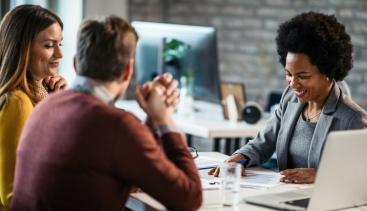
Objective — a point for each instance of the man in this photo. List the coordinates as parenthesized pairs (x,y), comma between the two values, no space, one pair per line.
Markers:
(78,152)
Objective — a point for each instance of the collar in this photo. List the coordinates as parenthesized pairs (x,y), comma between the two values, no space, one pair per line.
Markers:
(87,85)
(332,100)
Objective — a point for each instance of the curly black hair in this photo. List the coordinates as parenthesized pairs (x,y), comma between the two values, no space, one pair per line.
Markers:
(322,38)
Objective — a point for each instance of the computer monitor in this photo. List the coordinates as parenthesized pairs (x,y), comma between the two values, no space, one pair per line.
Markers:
(202,56)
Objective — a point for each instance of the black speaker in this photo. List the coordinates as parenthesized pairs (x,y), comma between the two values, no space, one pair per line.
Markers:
(251,112)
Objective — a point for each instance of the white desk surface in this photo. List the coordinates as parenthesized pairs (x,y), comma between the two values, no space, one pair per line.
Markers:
(212,198)
(206,121)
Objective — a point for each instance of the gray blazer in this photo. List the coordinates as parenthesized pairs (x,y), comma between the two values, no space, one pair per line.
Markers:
(339,113)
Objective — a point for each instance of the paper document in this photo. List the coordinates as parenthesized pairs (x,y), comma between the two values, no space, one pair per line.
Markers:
(204,162)
(211,184)
(260,179)
(256,179)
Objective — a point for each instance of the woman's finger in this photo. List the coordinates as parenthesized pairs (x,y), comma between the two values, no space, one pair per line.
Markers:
(59,84)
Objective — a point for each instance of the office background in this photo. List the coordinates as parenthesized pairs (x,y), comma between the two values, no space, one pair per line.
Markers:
(246,33)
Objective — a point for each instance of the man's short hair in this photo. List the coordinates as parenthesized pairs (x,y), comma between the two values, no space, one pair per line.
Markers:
(105,47)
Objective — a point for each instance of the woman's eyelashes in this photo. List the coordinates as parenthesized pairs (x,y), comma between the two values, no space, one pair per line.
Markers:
(299,77)
(52,45)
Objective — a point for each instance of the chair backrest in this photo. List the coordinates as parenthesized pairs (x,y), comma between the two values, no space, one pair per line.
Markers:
(345,88)
(273,98)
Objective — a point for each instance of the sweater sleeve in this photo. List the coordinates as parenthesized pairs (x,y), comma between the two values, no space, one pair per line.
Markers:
(13,116)
(167,172)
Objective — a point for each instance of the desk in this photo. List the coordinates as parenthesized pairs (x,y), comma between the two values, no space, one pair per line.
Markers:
(206,121)
(212,198)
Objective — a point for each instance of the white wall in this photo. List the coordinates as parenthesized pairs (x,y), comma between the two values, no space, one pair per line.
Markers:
(71,17)
(94,8)
(14,3)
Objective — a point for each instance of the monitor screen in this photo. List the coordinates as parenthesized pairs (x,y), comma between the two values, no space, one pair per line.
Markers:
(201,57)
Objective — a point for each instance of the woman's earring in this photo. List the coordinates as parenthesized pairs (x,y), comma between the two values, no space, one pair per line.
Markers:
(327,78)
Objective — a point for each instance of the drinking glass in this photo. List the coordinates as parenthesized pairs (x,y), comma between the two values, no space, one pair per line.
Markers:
(231,178)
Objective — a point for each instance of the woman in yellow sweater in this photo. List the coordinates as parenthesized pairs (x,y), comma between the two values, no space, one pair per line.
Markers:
(30,52)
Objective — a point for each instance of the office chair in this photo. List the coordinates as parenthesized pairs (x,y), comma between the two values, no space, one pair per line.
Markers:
(345,88)
(273,99)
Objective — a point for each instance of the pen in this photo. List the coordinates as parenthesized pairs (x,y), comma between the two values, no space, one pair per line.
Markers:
(243,162)
(213,182)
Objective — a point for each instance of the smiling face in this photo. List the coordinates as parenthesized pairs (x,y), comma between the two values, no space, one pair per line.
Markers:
(46,52)
(305,79)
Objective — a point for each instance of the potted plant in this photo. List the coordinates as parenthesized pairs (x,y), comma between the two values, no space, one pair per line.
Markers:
(174,53)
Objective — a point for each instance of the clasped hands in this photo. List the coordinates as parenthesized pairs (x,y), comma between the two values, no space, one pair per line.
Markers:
(159,98)
(296,175)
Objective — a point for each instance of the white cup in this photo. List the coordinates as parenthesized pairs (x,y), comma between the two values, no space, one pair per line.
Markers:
(231,178)
(185,107)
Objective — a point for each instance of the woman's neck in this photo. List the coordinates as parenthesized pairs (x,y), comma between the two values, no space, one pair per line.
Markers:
(37,82)
(317,105)
(38,89)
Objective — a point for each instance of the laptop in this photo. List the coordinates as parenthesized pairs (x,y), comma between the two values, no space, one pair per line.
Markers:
(341,180)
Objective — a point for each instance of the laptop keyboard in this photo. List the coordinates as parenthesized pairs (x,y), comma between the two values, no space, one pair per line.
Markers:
(299,202)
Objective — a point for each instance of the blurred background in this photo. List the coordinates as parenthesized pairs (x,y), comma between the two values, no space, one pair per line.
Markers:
(245,32)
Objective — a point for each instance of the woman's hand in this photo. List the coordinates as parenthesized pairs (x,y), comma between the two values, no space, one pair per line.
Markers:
(55,83)
(299,175)
(233,158)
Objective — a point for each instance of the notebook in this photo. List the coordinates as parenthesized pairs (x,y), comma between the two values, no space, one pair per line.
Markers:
(341,181)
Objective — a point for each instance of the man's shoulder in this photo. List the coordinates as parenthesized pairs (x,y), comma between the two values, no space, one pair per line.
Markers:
(71,98)
(91,104)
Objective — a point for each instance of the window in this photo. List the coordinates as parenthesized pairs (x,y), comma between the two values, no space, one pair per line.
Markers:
(14,3)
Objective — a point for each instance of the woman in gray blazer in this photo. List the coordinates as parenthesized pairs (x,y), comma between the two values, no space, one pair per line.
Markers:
(316,52)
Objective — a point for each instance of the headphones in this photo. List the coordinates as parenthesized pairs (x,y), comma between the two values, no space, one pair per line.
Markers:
(251,112)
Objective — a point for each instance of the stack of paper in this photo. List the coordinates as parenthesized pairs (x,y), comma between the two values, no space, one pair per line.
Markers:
(204,162)
(256,179)
(260,179)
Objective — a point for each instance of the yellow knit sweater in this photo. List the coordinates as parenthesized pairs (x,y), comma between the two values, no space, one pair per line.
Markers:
(13,116)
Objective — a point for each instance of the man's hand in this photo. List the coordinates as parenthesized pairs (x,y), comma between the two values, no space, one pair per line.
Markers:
(299,175)
(171,91)
(164,88)
(153,102)
(233,158)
